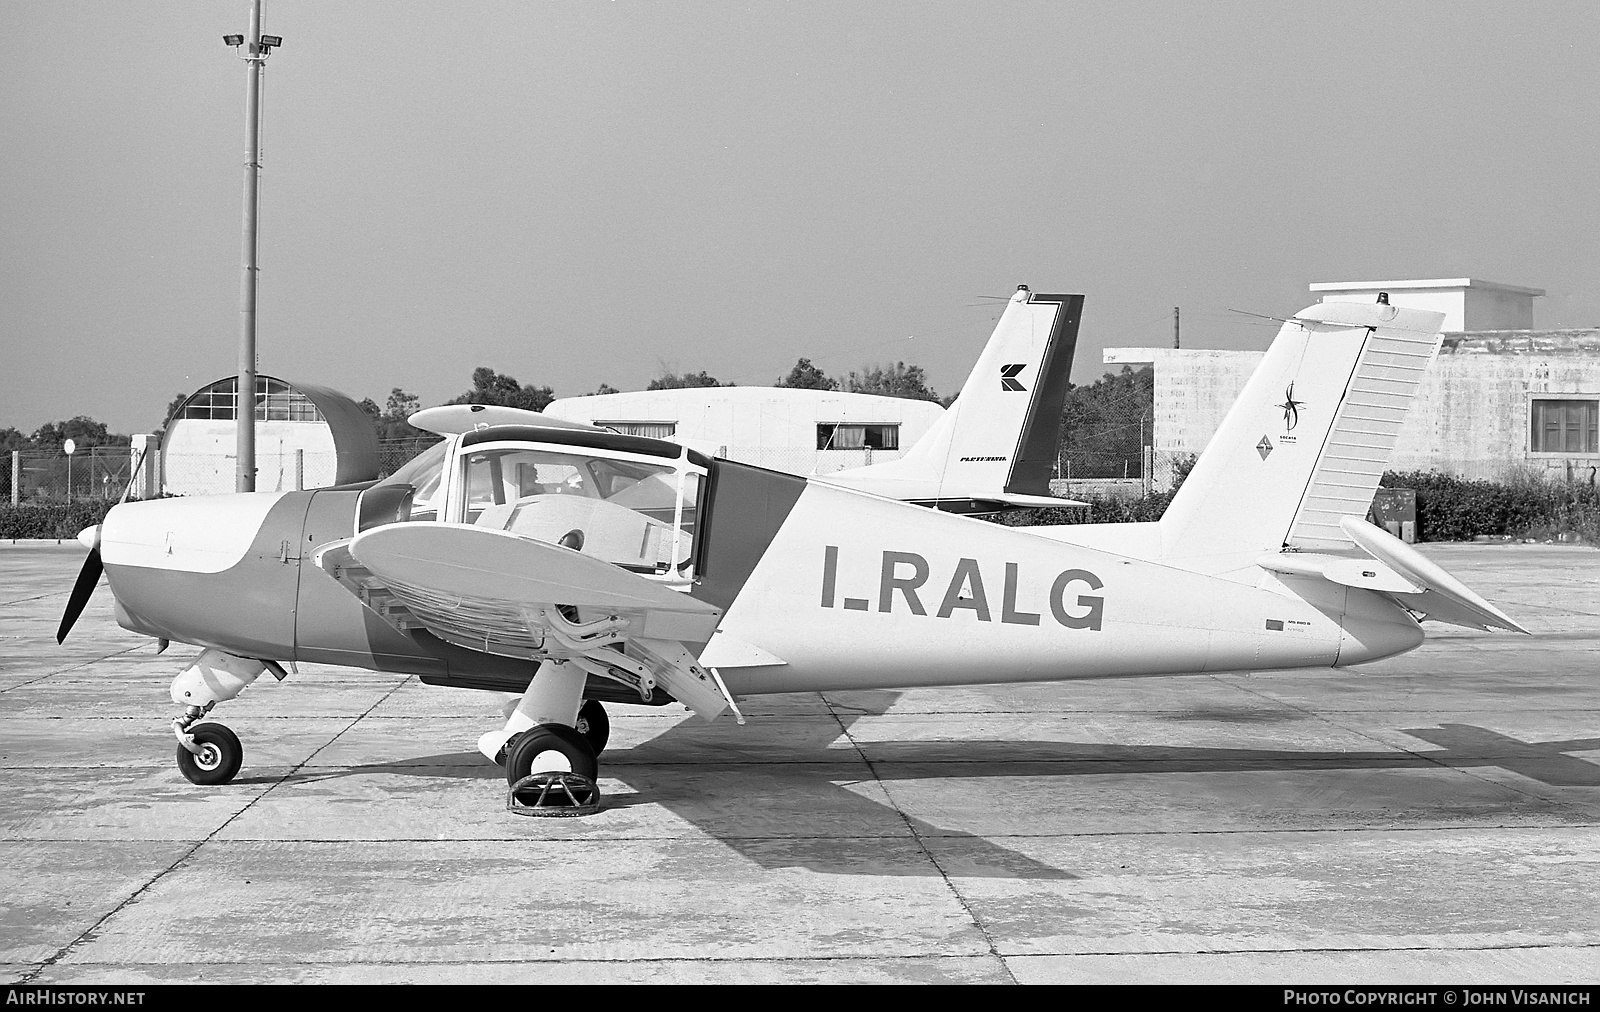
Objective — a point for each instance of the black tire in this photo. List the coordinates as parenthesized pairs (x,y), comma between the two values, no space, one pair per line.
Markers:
(219,760)
(551,738)
(594,725)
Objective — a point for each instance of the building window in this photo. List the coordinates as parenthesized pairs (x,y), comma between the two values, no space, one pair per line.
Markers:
(856,437)
(1564,426)
(655,430)
(276,401)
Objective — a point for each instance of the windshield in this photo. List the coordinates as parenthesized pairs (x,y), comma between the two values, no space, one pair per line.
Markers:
(625,512)
(422,473)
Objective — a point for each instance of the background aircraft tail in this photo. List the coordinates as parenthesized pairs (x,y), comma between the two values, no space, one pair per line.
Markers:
(1307,440)
(995,447)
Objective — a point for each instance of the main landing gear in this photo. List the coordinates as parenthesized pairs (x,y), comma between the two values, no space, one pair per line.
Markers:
(550,745)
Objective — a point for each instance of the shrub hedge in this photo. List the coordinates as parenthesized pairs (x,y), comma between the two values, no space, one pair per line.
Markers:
(51,520)
(1449,508)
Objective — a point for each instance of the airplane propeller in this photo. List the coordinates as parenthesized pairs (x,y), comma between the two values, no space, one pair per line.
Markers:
(89,575)
(88,578)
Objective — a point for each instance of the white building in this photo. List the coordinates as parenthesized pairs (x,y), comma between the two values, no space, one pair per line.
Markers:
(1467,303)
(306,437)
(1500,399)
(786,429)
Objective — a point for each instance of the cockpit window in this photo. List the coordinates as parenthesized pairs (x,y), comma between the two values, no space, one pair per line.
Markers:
(422,473)
(625,512)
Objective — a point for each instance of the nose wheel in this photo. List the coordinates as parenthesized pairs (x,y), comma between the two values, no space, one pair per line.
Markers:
(216,757)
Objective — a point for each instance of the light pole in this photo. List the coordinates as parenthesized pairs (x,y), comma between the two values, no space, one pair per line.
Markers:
(257,48)
(68,447)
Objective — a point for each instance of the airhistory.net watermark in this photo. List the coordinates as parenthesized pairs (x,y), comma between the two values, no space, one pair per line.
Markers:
(70,996)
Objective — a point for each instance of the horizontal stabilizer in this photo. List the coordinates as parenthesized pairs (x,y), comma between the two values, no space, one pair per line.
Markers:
(1443,597)
(1368,574)
(1399,572)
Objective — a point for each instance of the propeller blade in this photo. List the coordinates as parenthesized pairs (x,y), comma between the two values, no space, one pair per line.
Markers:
(88,578)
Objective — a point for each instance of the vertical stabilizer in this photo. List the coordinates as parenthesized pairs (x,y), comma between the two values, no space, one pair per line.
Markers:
(996,445)
(1307,439)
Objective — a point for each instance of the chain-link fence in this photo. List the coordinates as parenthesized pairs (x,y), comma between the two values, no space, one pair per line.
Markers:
(94,472)
(394,453)
(1120,473)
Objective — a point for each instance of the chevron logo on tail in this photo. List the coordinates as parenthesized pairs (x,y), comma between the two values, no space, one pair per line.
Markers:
(1008,375)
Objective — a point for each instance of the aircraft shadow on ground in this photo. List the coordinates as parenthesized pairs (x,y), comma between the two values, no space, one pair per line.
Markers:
(669,770)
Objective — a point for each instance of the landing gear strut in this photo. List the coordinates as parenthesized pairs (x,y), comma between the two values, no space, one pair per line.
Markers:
(594,725)
(549,744)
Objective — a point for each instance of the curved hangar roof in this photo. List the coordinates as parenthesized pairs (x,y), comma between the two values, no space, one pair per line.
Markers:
(354,438)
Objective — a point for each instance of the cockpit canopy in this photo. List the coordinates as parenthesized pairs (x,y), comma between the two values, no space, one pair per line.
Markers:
(627,500)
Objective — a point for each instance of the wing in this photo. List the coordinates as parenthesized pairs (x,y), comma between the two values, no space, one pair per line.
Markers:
(512,596)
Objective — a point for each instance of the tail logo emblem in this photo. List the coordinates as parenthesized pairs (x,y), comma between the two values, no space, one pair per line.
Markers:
(1291,408)
(1264,447)
(1008,374)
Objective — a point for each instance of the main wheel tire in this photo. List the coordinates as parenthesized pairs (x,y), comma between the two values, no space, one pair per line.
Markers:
(553,771)
(594,725)
(220,755)
(571,746)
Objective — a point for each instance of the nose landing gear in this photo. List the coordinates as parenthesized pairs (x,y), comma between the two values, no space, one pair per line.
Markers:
(207,753)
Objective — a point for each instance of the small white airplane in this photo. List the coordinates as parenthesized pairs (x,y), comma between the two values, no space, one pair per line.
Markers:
(575,566)
(995,447)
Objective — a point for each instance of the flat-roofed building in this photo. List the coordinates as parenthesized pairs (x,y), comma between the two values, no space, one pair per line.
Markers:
(1502,398)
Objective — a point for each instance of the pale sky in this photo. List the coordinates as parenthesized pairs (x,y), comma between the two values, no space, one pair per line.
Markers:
(586,192)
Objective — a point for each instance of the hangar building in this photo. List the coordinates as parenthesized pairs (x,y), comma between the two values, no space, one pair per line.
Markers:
(1501,398)
(782,428)
(306,437)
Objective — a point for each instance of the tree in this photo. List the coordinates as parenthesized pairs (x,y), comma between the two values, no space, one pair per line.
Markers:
(607,388)
(172,409)
(490,387)
(1105,425)
(402,405)
(674,381)
(897,380)
(391,422)
(81,429)
(11,439)
(805,376)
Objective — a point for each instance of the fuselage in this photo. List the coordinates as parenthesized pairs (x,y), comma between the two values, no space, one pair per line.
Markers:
(834,588)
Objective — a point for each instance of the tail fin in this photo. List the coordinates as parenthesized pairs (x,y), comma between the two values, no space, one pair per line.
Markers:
(996,445)
(1306,441)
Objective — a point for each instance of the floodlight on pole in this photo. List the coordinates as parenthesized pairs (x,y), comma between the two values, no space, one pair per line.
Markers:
(257,48)
(67,448)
